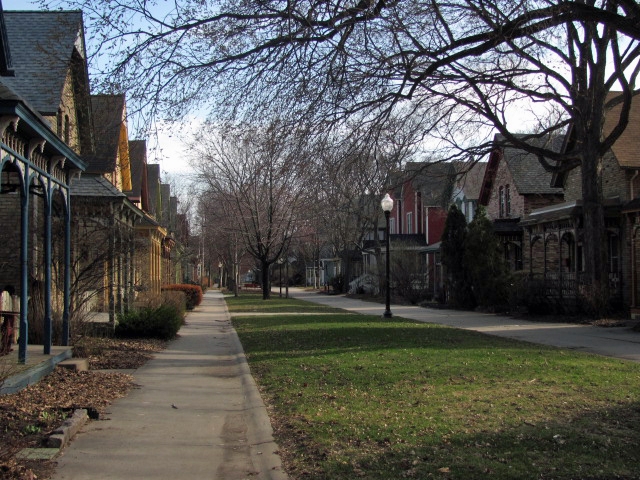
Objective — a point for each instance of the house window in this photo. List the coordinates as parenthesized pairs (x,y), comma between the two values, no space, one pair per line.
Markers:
(67,130)
(59,123)
(501,201)
(614,257)
(507,201)
(410,222)
(392,225)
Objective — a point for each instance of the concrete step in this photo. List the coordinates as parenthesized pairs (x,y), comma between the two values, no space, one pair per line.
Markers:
(75,364)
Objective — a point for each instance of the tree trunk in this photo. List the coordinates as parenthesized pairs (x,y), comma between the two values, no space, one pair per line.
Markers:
(266,281)
(596,288)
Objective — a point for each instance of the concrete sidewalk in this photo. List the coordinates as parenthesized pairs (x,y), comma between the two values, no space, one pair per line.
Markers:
(197,414)
(618,342)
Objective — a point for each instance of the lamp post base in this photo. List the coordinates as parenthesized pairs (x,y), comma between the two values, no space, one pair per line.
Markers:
(387,314)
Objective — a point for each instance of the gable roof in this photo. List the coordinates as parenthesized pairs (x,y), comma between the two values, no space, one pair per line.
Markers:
(529,176)
(626,149)
(138,159)
(153,185)
(108,114)
(469,178)
(434,181)
(42,45)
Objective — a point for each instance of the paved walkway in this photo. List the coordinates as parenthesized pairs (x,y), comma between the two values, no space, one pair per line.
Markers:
(618,342)
(197,414)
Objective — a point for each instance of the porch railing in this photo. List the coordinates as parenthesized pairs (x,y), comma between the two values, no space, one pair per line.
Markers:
(568,284)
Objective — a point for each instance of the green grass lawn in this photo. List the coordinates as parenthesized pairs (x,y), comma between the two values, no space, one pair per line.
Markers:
(356,396)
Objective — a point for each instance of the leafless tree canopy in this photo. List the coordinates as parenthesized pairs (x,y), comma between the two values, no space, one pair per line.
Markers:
(447,68)
(334,60)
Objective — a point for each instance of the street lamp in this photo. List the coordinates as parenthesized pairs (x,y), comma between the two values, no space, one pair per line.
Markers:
(387,206)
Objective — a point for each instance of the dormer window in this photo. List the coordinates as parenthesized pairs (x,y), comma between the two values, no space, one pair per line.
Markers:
(501,200)
(507,200)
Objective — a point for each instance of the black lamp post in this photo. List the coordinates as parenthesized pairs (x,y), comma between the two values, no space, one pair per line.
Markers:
(387,206)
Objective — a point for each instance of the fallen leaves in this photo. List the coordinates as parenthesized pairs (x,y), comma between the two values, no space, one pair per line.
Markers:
(28,416)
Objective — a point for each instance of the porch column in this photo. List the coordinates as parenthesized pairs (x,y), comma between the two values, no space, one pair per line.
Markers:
(67,273)
(633,267)
(544,252)
(24,269)
(132,267)
(47,272)
(119,265)
(529,229)
(111,261)
(560,262)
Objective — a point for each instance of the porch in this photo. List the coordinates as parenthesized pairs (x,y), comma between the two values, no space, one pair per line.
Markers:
(38,365)
(563,289)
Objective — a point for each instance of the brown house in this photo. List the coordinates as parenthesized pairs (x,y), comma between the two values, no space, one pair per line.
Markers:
(538,217)
(514,185)
(41,105)
(555,234)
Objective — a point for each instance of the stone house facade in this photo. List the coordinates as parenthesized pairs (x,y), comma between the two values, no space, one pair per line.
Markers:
(37,167)
(514,185)
(556,233)
(50,75)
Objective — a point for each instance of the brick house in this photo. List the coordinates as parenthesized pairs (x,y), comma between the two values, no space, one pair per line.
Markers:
(422,195)
(514,185)
(41,148)
(104,217)
(52,74)
(555,233)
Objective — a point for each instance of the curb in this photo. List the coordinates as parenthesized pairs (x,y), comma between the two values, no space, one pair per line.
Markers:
(58,439)
(68,429)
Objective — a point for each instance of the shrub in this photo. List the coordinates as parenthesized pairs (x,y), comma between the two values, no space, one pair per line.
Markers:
(177,299)
(193,293)
(337,283)
(161,322)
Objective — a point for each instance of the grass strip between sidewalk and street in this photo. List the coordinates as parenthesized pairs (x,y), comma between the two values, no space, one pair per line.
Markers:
(358,396)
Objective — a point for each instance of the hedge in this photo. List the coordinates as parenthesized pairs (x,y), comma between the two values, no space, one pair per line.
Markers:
(193,293)
(162,322)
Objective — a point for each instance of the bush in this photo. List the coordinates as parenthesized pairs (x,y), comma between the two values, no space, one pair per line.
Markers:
(161,322)
(193,293)
(337,283)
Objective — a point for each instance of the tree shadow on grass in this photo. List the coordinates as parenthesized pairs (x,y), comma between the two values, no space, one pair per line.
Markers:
(602,444)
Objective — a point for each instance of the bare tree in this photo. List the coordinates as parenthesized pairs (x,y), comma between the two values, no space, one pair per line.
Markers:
(257,175)
(454,67)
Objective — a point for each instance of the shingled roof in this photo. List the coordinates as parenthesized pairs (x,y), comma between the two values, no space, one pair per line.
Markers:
(108,114)
(138,159)
(42,46)
(92,185)
(433,180)
(469,178)
(528,174)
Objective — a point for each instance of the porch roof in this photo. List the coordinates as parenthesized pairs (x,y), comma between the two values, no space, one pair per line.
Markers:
(507,225)
(434,247)
(91,185)
(632,206)
(553,212)
(566,210)
(12,104)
